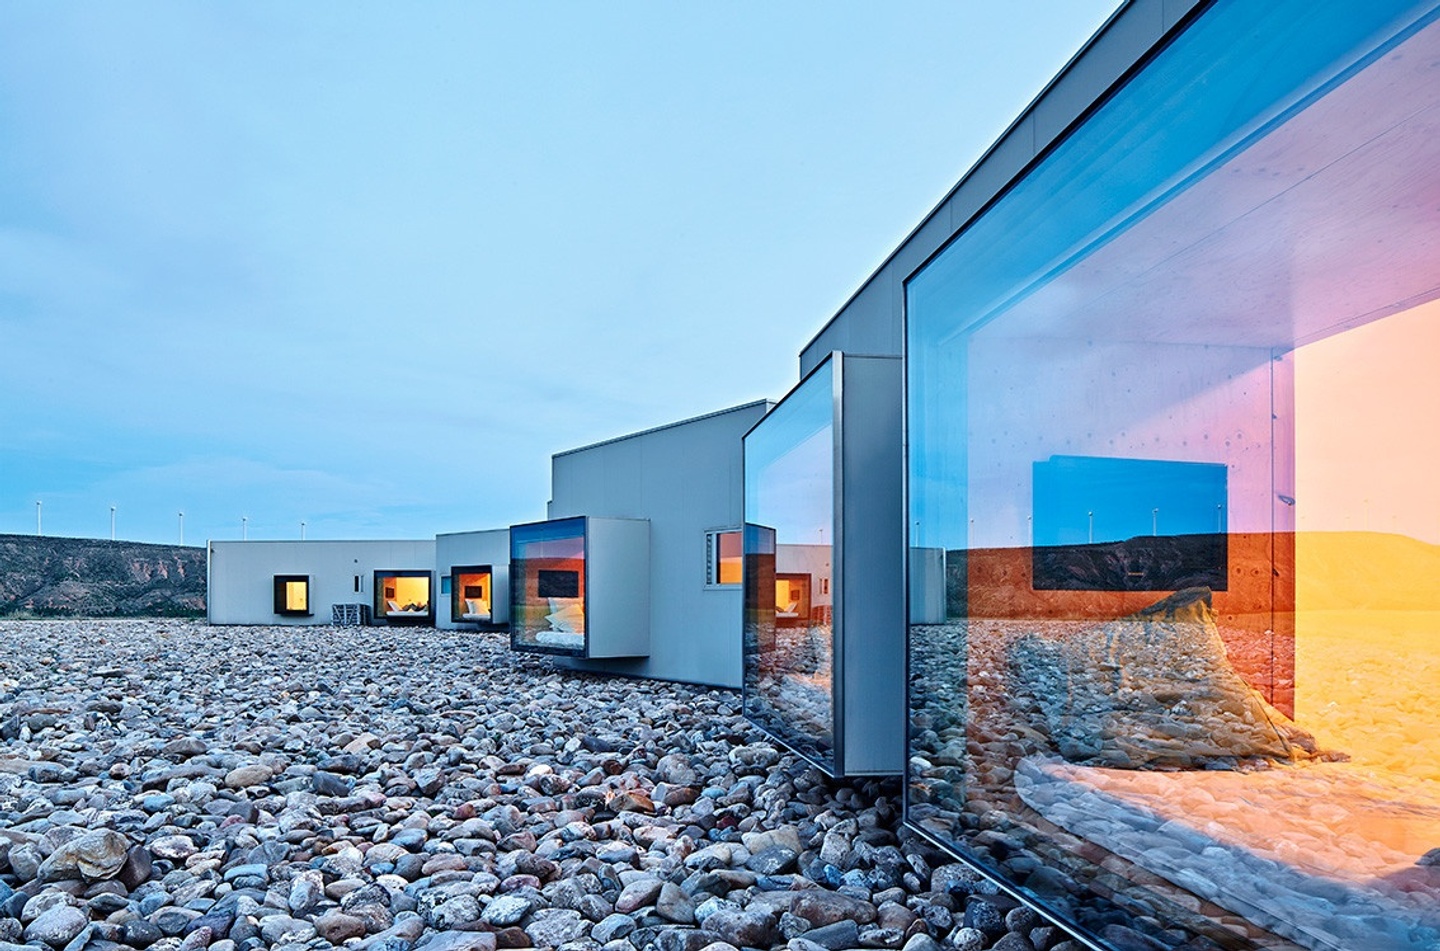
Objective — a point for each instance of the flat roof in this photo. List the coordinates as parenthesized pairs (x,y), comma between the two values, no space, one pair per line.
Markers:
(655,429)
(1172,12)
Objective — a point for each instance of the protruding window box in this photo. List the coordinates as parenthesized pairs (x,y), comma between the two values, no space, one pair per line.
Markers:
(403,597)
(472,594)
(292,595)
(824,617)
(580,587)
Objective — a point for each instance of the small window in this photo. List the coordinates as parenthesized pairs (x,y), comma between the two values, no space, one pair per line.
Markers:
(470,594)
(444,584)
(723,558)
(292,595)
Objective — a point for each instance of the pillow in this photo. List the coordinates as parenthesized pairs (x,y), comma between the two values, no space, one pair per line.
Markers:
(392,606)
(567,615)
(1154,690)
(473,606)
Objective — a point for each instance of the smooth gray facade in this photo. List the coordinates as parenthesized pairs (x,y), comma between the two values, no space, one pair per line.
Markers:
(685,479)
(870,568)
(491,548)
(873,319)
(240,580)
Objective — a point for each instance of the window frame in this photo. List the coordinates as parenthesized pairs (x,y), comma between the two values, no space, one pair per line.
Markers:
(712,559)
(280,583)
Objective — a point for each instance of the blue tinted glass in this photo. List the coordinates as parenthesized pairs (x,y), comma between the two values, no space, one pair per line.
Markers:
(547,587)
(789,539)
(1172,418)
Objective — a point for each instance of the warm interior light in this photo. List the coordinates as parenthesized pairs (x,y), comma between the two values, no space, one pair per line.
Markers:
(297,596)
(406,593)
(730,557)
(473,590)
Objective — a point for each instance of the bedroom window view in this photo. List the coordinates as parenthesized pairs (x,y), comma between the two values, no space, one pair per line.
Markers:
(789,625)
(402,596)
(547,587)
(470,593)
(292,595)
(1186,674)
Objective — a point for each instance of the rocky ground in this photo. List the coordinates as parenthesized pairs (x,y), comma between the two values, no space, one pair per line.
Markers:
(174,786)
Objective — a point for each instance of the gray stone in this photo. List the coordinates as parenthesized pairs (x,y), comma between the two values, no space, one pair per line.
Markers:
(674,905)
(983,916)
(459,941)
(922,942)
(57,926)
(552,927)
(613,927)
(835,936)
(282,929)
(675,768)
(821,907)
(638,894)
(460,910)
(775,860)
(93,856)
(751,929)
(506,910)
(968,939)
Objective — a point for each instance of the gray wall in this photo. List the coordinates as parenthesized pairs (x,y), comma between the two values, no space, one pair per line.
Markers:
(870,570)
(240,583)
(872,321)
(474,548)
(685,479)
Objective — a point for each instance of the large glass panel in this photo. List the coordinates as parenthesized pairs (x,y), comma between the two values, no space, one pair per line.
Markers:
(1174,424)
(547,587)
(470,593)
(789,539)
(402,595)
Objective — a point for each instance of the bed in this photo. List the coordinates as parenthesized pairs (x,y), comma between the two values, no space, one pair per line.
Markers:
(393,609)
(476,610)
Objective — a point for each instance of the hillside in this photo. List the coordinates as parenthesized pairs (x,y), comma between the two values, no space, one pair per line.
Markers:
(85,577)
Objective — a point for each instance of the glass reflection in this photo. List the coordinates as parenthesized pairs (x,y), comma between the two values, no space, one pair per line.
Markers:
(1177,444)
(547,587)
(788,538)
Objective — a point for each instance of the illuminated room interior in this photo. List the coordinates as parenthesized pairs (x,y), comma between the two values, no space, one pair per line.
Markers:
(402,595)
(547,580)
(470,593)
(292,594)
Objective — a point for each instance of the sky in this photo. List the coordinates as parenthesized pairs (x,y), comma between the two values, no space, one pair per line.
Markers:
(367,266)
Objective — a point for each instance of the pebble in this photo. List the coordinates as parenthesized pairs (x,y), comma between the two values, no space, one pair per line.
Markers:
(420,790)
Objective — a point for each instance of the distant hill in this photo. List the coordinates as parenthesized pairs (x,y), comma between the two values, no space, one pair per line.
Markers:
(86,577)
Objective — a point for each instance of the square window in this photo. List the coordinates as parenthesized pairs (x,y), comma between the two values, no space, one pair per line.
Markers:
(723,558)
(292,595)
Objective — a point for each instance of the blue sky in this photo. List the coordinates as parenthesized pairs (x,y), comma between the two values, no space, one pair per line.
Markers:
(368,265)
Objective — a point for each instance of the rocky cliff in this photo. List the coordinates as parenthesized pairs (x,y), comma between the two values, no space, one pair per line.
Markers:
(85,577)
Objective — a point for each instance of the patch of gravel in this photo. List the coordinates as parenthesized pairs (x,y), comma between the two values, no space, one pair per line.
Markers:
(175,786)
